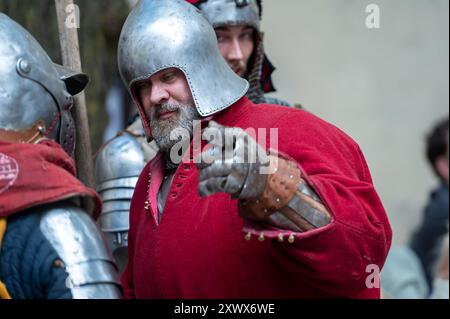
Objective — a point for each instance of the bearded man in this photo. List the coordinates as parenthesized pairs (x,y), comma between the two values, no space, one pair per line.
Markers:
(120,161)
(239,216)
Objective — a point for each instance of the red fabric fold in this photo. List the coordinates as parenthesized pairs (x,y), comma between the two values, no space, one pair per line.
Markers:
(32,175)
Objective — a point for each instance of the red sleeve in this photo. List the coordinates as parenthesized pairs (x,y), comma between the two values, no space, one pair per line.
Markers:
(128,274)
(334,258)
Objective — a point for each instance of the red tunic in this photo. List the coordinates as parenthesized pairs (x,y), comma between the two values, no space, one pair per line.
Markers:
(199,250)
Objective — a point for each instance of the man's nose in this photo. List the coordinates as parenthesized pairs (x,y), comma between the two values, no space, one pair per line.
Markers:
(159,95)
(235,51)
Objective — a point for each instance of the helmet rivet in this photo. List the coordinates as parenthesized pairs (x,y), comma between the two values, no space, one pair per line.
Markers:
(42,129)
(242,3)
(25,66)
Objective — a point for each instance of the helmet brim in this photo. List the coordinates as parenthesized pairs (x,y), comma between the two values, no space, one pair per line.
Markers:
(75,81)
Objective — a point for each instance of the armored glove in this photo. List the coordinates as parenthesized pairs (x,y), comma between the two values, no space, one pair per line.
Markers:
(269,188)
(234,163)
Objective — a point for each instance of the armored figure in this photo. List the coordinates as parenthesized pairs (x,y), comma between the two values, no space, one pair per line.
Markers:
(49,246)
(252,65)
(238,213)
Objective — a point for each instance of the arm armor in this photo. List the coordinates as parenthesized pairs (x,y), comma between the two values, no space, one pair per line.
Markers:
(90,268)
(118,166)
(288,201)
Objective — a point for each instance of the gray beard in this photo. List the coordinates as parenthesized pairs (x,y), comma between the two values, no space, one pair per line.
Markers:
(161,130)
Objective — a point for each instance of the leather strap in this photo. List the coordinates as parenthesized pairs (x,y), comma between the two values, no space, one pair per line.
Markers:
(31,135)
(287,193)
(280,188)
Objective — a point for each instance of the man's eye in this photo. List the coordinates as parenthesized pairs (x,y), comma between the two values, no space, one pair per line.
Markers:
(247,36)
(168,77)
(221,38)
(143,86)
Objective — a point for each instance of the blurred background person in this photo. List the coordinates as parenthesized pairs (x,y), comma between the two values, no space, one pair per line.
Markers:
(441,281)
(427,241)
(420,270)
(403,276)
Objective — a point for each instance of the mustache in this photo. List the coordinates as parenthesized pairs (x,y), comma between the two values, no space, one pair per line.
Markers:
(238,65)
(164,108)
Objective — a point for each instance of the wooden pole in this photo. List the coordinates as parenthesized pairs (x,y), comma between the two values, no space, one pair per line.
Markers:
(70,52)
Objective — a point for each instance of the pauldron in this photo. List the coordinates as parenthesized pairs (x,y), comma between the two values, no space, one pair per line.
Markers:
(118,167)
(90,268)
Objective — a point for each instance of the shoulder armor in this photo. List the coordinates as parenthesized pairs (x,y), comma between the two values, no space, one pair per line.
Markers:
(118,167)
(89,265)
(121,158)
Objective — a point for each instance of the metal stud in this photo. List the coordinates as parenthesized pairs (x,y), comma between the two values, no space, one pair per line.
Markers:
(24,66)
(280,238)
(291,239)
(242,3)
(248,237)
(42,129)
(261,237)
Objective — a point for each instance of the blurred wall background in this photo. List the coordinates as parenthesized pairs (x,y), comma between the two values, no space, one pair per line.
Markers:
(385,87)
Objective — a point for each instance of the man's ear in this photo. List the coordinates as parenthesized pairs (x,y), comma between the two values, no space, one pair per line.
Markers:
(442,167)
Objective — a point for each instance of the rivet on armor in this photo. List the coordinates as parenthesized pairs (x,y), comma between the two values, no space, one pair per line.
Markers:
(24,66)
(42,129)
(242,3)
(248,236)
